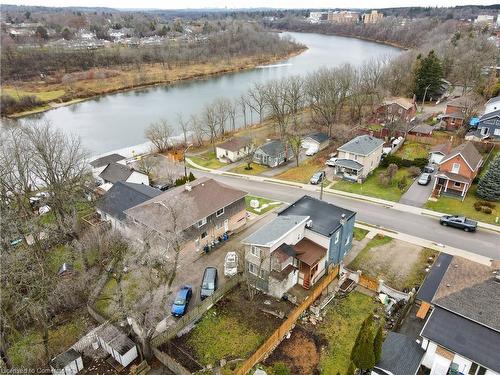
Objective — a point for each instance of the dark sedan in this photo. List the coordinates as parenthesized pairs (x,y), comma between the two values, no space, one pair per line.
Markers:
(460,222)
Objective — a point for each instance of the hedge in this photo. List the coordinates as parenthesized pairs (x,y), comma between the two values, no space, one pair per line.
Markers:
(406,163)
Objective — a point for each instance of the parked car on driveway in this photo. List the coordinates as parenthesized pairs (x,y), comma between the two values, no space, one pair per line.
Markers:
(312,150)
(331,162)
(209,282)
(424,179)
(429,169)
(231,264)
(460,222)
(179,307)
(317,177)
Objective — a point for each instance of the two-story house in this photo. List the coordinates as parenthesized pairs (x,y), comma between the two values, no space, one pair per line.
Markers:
(397,109)
(234,149)
(115,172)
(99,164)
(456,111)
(216,209)
(358,157)
(298,245)
(462,332)
(457,170)
(492,105)
(272,153)
(488,127)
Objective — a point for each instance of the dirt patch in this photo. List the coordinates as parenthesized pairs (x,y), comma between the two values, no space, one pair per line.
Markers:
(300,353)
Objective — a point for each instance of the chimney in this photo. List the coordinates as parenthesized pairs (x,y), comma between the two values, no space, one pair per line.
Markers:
(343,220)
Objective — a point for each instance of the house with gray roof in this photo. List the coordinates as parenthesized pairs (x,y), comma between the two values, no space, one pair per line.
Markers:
(358,158)
(298,245)
(492,105)
(401,355)
(272,153)
(234,149)
(119,198)
(461,334)
(488,127)
(115,172)
(99,164)
(316,139)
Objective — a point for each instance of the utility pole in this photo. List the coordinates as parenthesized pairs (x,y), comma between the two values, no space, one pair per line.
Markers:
(184,157)
(425,93)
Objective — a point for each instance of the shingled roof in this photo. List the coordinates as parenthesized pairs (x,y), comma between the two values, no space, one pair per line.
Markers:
(235,143)
(105,160)
(115,172)
(363,145)
(468,153)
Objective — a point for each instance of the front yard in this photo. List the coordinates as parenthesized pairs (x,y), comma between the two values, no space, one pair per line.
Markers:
(400,264)
(303,172)
(255,169)
(373,188)
(207,160)
(340,327)
(265,205)
(454,206)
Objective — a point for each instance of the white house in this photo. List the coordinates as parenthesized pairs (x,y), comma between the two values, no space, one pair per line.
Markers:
(67,363)
(234,149)
(117,344)
(492,105)
(317,140)
(115,172)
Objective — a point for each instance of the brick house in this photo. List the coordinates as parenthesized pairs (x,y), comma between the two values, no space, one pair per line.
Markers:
(454,114)
(396,108)
(457,170)
(216,208)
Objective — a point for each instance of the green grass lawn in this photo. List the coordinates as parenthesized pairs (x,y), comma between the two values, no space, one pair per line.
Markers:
(105,299)
(207,160)
(413,150)
(359,233)
(221,335)
(340,327)
(373,188)
(454,206)
(303,172)
(262,201)
(375,127)
(62,254)
(256,169)
(45,96)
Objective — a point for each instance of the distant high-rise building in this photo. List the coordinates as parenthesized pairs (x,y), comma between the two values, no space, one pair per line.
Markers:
(372,17)
(343,16)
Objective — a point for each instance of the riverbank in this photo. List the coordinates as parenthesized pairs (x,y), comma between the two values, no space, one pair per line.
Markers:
(131,79)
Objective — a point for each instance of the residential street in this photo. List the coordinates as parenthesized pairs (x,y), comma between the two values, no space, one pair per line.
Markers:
(483,242)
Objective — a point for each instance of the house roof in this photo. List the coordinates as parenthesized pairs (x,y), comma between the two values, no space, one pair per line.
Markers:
(402,102)
(455,114)
(496,99)
(454,177)
(461,101)
(443,148)
(490,115)
(363,145)
(235,143)
(105,160)
(473,341)
(115,172)
(348,163)
(309,252)
(272,148)
(318,137)
(401,355)
(434,277)
(325,216)
(468,152)
(63,359)
(270,233)
(207,196)
(422,128)
(124,195)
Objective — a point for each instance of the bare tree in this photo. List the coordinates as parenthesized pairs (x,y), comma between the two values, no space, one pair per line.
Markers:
(243,105)
(211,123)
(295,144)
(294,98)
(198,129)
(159,134)
(256,99)
(184,126)
(275,97)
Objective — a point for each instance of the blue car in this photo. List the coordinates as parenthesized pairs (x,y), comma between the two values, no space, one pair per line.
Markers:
(181,302)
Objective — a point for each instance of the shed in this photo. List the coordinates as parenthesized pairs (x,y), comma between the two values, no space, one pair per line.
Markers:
(318,139)
(422,130)
(117,344)
(67,363)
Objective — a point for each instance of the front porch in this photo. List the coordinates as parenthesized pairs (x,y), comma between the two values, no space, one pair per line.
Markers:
(447,184)
(349,169)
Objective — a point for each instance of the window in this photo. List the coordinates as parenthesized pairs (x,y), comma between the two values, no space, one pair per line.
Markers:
(202,222)
(337,236)
(255,251)
(252,268)
(219,212)
(475,369)
(496,131)
(204,234)
(348,239)
(455,168)
(456,184)
(485,131)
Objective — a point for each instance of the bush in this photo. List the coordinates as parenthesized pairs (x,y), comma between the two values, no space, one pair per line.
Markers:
(414,171)
(406,163)
(487,210)
(478,206)
(403,183)
(279,368)
(383,179)
(10,105)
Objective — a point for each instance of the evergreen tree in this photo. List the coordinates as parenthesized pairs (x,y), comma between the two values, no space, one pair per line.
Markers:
(351,369)
(362,354)
(489,184)
(428,73)
(377,344)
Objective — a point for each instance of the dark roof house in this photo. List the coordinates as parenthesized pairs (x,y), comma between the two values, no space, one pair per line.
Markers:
(125,195)
(105,160)
(401,355)
(235,143)
(115,172)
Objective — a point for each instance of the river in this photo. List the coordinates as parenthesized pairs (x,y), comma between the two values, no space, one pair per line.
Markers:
(118,121)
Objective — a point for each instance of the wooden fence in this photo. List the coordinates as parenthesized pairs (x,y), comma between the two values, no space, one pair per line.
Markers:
(195,314)
(368,282)
(274,340)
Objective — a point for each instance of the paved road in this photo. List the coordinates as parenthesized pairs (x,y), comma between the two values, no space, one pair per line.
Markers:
(483,242)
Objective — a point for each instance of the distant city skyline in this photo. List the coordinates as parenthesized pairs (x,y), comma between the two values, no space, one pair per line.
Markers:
(201,4)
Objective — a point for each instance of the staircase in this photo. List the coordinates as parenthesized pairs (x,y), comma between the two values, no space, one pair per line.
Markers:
(140,369)
(306,284)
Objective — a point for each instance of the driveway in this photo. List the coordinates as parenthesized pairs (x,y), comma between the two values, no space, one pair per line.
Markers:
(417,195)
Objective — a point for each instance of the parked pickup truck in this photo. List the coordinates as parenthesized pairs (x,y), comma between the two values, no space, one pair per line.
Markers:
(460,222)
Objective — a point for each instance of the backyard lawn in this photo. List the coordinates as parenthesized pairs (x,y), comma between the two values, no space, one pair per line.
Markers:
(340,327)
(373,188)
(256,169)
(454,206)
(303,172)
(265,205)
(207,160)
(400,264)
(413,150)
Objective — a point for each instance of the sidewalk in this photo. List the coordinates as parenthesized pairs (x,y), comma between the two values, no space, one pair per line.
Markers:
(382,202)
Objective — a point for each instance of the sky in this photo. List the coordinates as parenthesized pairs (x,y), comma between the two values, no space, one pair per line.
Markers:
(183,4)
